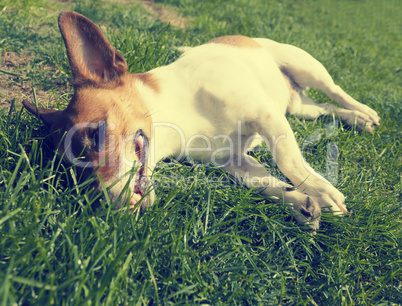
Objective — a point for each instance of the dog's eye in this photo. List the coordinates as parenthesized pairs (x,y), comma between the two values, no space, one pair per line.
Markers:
(97,137)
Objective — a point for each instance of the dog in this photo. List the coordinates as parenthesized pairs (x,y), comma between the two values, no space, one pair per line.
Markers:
(210,104)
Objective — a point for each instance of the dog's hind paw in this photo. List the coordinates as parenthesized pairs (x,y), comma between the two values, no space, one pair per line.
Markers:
(364,118)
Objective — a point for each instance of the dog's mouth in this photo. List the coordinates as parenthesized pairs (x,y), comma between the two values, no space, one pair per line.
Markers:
(141,184)
(141,180)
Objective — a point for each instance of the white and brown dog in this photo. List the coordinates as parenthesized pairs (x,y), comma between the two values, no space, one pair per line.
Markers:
(209,104)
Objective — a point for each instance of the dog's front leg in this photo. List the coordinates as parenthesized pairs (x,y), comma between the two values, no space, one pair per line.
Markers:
(277,133)
(247,170)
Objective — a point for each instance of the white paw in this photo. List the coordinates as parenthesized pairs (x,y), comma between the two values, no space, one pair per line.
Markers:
(363,117)
(327,196)
(370,112)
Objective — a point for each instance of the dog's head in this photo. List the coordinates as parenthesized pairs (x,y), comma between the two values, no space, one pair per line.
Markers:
(105,130)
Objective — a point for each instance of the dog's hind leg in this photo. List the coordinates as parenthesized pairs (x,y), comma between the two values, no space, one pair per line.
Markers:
(304,106)
(304,71)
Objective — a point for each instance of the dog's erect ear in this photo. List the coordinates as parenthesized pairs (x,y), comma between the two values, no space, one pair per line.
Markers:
(48,116)
(92,58)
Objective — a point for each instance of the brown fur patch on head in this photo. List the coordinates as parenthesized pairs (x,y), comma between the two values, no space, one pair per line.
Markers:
(149,80)
(122,112)
(236,41)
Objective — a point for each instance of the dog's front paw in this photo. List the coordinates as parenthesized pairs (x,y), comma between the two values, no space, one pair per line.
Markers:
(328,197)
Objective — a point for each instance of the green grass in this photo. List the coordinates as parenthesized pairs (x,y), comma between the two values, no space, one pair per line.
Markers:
(206,240)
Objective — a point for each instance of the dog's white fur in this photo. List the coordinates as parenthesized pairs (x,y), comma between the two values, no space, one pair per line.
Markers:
(212,101)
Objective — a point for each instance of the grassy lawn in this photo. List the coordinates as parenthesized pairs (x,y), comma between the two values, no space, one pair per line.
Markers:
(206,240)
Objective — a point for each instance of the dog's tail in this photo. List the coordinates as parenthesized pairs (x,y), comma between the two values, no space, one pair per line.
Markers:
(183,49)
